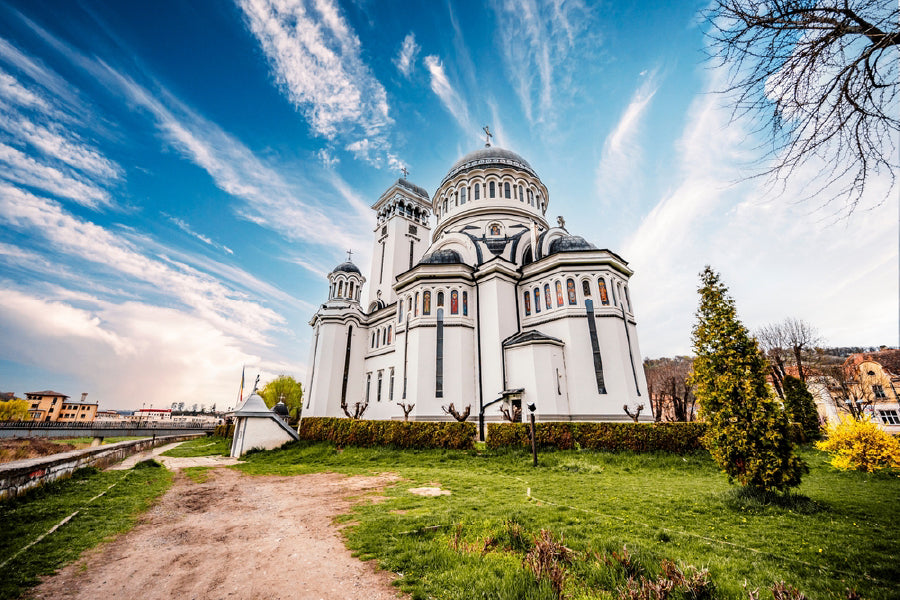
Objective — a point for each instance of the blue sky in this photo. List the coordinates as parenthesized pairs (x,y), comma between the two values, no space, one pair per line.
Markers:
(176,178)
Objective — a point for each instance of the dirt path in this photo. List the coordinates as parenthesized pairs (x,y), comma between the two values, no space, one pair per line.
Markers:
(234,536)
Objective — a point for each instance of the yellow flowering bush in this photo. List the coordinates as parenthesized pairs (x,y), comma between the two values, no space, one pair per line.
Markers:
(860,445)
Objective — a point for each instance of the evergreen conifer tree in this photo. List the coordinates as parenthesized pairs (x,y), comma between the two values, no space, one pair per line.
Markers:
(800,407)
(747,430)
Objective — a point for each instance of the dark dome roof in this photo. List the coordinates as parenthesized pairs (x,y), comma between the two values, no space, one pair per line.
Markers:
(491,156)
(347,267)
(442,257)
(280,409)
(412,187)
(570,243)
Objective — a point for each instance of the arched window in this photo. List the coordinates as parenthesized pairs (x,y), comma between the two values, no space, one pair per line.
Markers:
(537,300)
(440,299)
(462,195)
(426,303)
(350,294)
(400,311)
(628,299)
(341,289)
(559,295)
(390,332)
(521,194)
(374,333)
(445,206)
(604,296)
(439,356)
(548,299)
(493,189)
(506,192)
(465,304)
(586,287)
(416,305)
(454,302)
(527,304)
(478,191)
(530,197)
(378,392)
(391,385)
(570,289)
(409,305)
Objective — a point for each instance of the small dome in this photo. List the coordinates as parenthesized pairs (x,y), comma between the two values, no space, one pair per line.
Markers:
(280,409)
(442,257)
(491,156)
(347,267)
(570,243)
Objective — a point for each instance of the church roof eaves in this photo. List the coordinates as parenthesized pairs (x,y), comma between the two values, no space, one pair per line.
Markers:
(531,337)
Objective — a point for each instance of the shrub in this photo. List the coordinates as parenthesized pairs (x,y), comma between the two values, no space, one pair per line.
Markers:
(223,430)
(747,430)
(637,437)
(801,408)
(352,432)
(860,445)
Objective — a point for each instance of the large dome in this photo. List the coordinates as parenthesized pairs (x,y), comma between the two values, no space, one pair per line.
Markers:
(347,267)
(491,156)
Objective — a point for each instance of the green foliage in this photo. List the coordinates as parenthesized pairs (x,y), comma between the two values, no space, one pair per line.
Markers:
(225,430)
(471,544)
(201,446)
(636,437)
(14,410)
(28,516)
(800,407)
(747,430)
(284,388)
(399,434)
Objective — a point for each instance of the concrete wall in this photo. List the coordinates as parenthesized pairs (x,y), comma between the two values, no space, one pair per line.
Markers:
(20,476)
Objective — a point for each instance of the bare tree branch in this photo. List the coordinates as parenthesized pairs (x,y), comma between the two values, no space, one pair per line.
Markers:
(821,77)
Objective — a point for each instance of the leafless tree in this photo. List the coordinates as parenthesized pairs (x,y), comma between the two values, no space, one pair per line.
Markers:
(822,77)
(459,416)
(786,343)
(406,408)
(668,384)
(636,414)
(849,389)
(359,408)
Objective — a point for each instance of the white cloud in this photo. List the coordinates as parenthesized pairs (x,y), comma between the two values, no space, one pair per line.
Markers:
(537,38)
(621,153)
(185,227)
(406,59)
(23,169)
(316,58)
(779,257)
(448,95)
(225,308)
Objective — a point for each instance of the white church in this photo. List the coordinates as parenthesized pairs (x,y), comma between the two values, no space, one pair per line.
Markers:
(486,302)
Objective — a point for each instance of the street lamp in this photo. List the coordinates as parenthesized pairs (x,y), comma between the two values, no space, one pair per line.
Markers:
(531,409)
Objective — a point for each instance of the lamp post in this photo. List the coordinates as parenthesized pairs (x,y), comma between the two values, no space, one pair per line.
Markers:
(531,409)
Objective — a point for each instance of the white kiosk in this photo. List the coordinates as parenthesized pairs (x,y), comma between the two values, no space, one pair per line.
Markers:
(257,426)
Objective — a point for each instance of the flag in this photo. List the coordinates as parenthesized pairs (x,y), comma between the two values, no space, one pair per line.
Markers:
(241,391)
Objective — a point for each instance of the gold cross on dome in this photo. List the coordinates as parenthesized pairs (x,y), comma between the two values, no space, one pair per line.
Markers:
(488,134)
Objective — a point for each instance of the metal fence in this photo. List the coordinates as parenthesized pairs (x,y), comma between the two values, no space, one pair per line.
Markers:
(102,425)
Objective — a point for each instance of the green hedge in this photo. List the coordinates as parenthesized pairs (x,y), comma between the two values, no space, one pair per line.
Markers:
(637,437)
(347,432)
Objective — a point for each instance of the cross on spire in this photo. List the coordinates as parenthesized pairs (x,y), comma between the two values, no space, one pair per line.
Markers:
(405,171)
(488,134)
(349,254)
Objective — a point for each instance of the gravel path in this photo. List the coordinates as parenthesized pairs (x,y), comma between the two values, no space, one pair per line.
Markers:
(234,536)
(174,463)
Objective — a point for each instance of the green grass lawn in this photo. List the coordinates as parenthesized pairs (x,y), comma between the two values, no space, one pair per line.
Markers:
(841,533)
(201,446)
(24,519)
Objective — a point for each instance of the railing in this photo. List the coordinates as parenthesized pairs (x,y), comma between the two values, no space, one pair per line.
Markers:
(102,425)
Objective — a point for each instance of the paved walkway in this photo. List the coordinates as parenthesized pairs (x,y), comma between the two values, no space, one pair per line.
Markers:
(172,463)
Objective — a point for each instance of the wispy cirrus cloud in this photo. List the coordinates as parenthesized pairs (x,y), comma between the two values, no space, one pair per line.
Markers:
(621,152)
(229,310)
(316,59)
(185,227)
(537,39)
(449,96)
(409,51)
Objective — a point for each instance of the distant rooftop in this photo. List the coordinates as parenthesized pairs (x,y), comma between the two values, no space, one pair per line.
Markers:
(46,393)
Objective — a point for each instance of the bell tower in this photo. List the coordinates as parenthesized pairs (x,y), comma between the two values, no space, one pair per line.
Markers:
(402,235)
